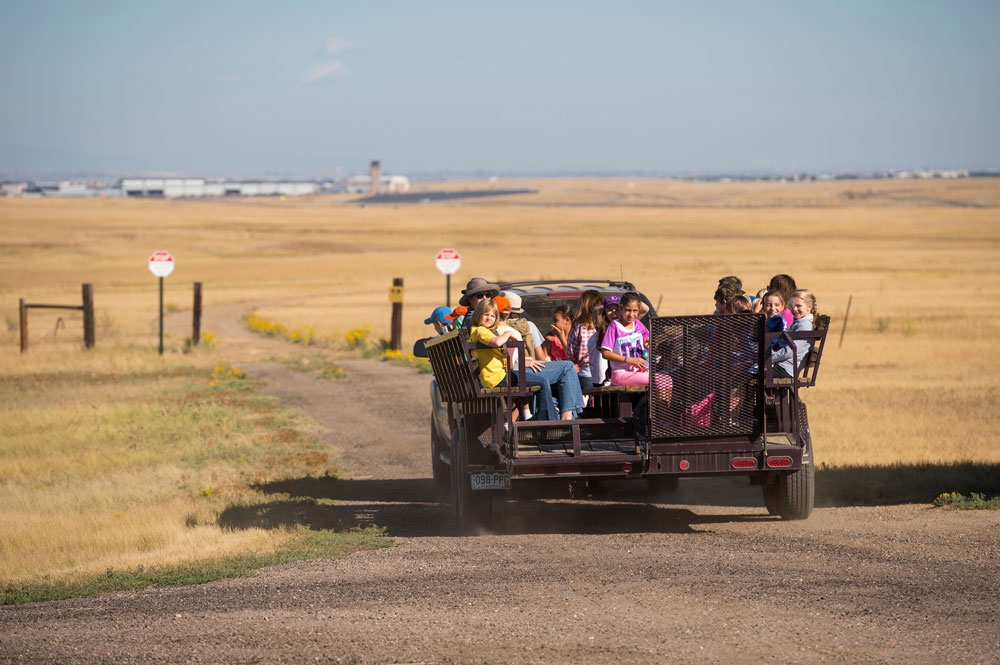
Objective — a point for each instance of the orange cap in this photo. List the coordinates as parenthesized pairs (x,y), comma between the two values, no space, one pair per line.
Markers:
(503,304)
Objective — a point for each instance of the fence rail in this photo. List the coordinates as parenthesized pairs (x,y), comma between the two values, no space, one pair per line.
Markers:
(88,316)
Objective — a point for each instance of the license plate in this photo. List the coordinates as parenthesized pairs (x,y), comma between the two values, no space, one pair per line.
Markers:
(490,480)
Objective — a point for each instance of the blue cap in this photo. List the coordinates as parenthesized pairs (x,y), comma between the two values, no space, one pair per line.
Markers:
(438,315)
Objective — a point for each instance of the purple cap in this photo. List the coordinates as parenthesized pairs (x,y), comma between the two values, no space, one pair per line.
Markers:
(612,300)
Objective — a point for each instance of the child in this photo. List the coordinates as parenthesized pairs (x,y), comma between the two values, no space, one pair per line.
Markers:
(578,347)
(783,283)
(722,296)
(555,342)
(612,307)
(738,304)
(624,345)
(457,316)
(803,307)
(492,359)
(598,365)
(774,306)
(439,319)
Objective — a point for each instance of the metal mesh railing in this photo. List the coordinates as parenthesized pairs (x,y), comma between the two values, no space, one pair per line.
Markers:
(704,375)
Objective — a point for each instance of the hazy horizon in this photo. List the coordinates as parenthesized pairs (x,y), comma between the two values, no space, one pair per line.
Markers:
(664,89)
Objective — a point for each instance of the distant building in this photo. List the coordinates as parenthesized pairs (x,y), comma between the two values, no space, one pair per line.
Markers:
(173,188)
(13,188)
(388,184)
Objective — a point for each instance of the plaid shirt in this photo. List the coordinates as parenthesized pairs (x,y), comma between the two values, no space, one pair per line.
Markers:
(576,344)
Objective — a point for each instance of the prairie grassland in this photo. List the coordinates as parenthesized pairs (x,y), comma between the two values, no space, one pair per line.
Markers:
(87,480)
(117,459)
(913,381)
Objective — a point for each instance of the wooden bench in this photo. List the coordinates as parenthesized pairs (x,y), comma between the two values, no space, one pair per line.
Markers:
(616,401)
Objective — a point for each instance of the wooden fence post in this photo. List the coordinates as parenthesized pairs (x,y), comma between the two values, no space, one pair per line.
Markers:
(88,316)
(23,315)
(395,343)
(196,323)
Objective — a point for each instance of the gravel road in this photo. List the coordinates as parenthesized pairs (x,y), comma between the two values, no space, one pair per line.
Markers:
(703,576)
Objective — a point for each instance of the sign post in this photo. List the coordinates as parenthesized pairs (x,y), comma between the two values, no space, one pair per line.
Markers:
(161,264)
(448,261)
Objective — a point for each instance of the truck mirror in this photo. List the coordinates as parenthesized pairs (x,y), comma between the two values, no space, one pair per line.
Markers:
(418,348)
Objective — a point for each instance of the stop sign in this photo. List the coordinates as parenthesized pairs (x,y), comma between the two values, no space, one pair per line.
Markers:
(448,261)
(161,263)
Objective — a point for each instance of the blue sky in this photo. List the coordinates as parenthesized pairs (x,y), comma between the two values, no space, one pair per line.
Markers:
(295,88)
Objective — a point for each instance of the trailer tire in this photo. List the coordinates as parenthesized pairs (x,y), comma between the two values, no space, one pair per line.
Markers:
(440,471)
(797,493)
(471,509)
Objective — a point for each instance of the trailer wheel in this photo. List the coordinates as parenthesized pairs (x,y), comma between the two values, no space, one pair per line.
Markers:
(439,470)
(471,509)
(796,493)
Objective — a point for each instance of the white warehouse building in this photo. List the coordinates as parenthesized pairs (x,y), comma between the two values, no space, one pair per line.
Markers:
(173,188)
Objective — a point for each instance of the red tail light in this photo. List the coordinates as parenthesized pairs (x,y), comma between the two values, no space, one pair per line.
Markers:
(779,462)
(744,463)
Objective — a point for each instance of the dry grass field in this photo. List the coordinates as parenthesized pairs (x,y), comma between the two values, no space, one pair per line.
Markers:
(915,381)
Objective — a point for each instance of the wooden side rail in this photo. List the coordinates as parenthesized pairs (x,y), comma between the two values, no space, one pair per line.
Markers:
(806,376)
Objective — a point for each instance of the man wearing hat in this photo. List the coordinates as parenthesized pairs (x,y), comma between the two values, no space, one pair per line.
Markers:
(476,290)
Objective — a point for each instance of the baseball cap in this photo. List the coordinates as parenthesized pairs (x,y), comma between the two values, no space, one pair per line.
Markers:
(503,304)
(439,314)
(515,302)
(459,311)
(612,300)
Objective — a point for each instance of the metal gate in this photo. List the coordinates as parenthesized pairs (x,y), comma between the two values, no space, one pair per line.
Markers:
(705,376)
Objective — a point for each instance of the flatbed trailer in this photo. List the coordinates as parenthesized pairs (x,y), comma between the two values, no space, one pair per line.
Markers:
(712,408)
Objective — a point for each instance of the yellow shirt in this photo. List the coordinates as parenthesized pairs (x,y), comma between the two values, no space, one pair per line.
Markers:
(492,368)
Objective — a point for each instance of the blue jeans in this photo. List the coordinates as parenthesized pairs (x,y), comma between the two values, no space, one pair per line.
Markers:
(559,375)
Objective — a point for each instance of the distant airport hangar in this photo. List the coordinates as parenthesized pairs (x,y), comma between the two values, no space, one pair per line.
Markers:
(173,188)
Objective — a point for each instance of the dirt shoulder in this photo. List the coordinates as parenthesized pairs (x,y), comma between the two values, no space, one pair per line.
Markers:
(705,576)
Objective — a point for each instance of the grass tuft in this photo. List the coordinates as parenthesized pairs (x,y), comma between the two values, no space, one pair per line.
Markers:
(304,545)
(974,501)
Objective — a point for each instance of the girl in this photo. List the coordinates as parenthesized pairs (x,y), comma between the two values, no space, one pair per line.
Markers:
(578,340)
(779,318)
(803,307)
(555,342)
(492,359)
(598,365)
(624,345)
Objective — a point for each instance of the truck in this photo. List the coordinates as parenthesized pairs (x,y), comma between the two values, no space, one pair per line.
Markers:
(712,408)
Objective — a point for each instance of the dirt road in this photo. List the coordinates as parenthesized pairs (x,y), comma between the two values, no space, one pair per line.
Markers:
(705,578)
